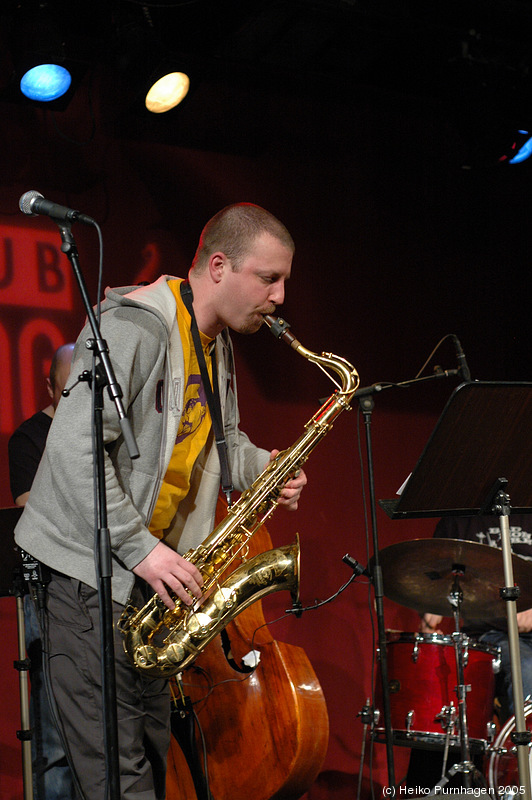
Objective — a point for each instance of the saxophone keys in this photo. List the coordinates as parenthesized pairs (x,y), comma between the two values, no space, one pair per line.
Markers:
(145,657)
(225,598)
(198,624)
(175,653)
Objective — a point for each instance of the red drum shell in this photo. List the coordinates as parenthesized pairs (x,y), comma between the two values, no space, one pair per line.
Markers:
(422,679)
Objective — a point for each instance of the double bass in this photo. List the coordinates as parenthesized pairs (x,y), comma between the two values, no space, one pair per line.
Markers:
(265,737)
(261,734)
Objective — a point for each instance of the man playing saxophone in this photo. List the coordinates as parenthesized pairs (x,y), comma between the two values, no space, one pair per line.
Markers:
(172,355)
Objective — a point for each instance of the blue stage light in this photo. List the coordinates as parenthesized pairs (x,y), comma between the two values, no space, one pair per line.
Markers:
(524,152)
(45,82)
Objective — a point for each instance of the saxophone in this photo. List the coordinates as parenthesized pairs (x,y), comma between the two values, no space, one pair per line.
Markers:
(162,642)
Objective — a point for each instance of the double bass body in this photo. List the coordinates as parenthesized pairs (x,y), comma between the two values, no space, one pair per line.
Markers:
(265,733)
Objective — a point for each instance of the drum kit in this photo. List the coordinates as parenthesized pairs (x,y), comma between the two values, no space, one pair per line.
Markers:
(442,688)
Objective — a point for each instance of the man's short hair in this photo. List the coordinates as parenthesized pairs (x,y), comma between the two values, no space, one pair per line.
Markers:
(233,231)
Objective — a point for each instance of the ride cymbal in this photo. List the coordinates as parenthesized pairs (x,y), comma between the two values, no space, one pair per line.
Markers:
(420,574)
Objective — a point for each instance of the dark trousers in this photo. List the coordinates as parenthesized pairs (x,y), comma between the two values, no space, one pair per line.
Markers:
(52,778)
(143,704)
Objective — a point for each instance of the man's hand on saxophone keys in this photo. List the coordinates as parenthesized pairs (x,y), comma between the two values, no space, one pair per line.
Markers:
(289,497)
(165,569)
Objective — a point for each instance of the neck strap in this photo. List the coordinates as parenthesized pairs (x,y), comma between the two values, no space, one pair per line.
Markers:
(212,392)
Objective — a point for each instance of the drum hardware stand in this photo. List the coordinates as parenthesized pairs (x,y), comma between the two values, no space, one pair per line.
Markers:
(460,642)
(447,715)
(369,717)
(465,766)
(521,737)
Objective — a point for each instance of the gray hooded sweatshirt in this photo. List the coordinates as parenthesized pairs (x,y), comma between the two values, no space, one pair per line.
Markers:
(57,527)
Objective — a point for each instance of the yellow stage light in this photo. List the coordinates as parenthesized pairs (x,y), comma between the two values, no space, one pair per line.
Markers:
(167,92)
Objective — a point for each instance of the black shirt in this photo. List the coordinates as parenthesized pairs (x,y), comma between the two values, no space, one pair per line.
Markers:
(25,448)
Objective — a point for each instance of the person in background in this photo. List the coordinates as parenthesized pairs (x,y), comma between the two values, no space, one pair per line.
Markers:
(170,348)
(52,778)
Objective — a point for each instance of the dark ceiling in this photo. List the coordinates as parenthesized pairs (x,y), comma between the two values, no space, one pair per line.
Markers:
(465,54)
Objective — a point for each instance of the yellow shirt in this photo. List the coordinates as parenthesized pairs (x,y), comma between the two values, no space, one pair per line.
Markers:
(194,426)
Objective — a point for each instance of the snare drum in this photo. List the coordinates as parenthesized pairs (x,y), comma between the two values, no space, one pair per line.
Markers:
(422,680)
(502,770)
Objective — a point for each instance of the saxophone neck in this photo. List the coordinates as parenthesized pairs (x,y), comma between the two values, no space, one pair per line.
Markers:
(346,372)
(326,361)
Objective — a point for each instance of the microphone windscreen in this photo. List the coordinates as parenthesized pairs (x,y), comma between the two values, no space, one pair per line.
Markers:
(26,201)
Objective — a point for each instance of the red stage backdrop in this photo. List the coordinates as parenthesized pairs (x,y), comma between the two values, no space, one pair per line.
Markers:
(396,247)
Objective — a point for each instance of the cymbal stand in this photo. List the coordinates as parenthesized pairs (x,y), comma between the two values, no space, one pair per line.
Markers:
(510,593)
(455,599)
(466,767)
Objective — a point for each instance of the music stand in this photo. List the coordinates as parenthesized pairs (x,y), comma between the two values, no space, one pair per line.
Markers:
(11,583)
(477,461)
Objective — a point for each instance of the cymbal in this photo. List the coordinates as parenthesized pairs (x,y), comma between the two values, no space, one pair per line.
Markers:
(419,575)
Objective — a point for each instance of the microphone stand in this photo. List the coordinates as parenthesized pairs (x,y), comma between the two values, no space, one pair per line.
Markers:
(103,375)
(366,402)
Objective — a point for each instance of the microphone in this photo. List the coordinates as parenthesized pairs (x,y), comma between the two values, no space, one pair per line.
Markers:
(33,203)
(357,568)
(463,369)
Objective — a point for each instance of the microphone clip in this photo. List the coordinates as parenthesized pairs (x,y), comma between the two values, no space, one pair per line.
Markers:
(85,377)
(357,568)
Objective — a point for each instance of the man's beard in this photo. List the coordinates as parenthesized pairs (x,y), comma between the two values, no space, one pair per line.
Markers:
(254,322)
(252,325)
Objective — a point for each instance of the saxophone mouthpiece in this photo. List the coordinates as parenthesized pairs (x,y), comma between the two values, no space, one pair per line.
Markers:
(280,329)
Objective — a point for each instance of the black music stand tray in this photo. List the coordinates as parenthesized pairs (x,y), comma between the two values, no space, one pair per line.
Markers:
(484,433)
(477,461)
